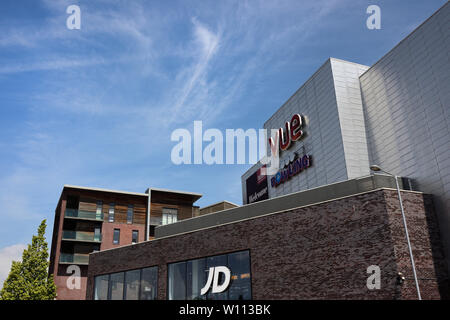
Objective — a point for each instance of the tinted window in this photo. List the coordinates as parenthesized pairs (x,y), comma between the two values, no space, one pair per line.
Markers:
(132,284)
(214,262)
(116,238)
(101,287)
(196,279)
(186,279)
(116,286)
(240,286)
(130,214)
(111,212)
(149,283)
(177,281)
(135,236)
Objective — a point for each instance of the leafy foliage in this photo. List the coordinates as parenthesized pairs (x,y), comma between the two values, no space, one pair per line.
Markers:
(29,279)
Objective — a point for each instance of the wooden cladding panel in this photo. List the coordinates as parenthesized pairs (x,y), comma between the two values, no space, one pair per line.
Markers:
(171,198)
(87,204)
(120,213)
(184,212)
(140,214)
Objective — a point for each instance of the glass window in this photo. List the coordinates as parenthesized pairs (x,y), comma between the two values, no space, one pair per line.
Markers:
(240,285)
(177,281)
(116,286)
(101,287)
(169,215)
(214,262)
(98,212)
(135,236)
(111,212)
(149,283)
(196,279)
(116,238)
(186,279)
(132,283)
(97,234)
(130,214)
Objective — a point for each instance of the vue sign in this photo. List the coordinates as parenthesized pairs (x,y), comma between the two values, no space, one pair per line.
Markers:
(284,137)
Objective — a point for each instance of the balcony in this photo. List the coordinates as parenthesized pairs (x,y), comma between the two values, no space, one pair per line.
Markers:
(74,258)
(84,215)
(81,236)
(155,221)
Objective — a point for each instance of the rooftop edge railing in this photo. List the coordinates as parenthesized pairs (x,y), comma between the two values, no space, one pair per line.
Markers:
(75,213)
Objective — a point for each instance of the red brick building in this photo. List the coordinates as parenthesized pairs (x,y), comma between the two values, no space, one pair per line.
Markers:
(314,244)
(91,219)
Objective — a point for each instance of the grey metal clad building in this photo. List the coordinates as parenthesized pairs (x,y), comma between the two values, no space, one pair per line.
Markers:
(335,136)
(406,103)
(395,114)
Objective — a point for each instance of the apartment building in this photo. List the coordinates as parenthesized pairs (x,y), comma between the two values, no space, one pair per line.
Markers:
(90,219)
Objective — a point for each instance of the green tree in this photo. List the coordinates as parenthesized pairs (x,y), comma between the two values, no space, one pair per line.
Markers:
(29,279)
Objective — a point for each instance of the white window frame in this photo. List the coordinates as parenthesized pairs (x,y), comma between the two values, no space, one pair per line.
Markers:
(169,215)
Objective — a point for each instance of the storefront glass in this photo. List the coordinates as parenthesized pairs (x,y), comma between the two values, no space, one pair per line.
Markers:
(149,283)
(139,284)
(187,278)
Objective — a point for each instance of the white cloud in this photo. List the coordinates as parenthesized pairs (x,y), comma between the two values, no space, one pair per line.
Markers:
(7,256)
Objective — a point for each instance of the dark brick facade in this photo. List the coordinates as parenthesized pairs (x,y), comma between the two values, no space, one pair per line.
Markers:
(320,251)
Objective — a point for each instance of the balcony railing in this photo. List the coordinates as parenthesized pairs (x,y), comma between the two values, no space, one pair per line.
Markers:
(81,236)
(155,221)
(74,258)
(75,213)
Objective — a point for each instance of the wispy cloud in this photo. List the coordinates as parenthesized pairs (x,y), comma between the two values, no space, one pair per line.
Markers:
(99,103)
(7,256)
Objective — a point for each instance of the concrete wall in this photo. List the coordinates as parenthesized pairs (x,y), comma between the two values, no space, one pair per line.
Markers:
(406,100)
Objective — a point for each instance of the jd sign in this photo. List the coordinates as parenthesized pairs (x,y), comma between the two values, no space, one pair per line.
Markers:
(213,278)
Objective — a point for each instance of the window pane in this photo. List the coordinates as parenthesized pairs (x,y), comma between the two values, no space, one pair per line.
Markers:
(149,283)
(116,238)
(169,215)
(111,212)
(135,236)
(130,214)
(196,279)
(101,288)
(97,234)
(132,280)
(177,281)
(98,212)
(116,286)
(214,262)
(240,286)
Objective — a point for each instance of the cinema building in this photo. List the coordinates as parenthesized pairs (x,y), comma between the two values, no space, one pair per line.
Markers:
(318,225)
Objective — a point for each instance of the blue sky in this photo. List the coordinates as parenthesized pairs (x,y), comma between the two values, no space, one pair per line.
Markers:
(96,106)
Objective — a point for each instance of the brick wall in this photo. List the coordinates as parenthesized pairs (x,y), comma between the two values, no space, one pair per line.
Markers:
(320,251)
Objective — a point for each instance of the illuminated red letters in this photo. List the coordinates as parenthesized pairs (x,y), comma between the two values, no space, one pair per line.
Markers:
(293,132)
